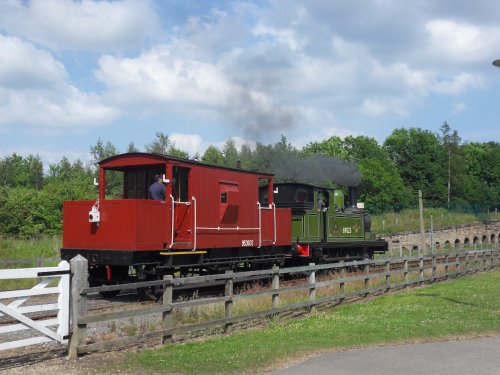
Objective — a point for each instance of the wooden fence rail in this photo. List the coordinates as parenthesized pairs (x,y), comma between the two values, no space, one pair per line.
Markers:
(366,278)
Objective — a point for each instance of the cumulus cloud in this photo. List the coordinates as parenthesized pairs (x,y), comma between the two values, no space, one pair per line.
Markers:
(464,43)
(159,79)
(285,67)
(460,107)
(77,25)
(458,84)
(34,89)
(191,143)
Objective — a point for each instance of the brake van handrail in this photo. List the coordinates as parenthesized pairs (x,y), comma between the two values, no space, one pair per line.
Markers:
(194,227)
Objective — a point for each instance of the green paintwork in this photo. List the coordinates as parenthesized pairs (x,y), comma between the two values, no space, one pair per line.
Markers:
(310,227)
(338,199)
(345,226)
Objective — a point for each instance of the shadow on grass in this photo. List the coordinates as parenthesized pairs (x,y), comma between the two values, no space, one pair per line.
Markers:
(446,299)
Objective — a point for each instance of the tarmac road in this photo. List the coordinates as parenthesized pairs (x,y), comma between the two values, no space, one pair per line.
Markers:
(475,356)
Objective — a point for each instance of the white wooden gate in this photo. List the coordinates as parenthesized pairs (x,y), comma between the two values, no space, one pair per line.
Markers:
(37,315)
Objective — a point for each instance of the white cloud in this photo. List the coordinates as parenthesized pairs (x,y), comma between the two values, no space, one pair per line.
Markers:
(76,25)
(194,143)
(34,89)
(378,106)
(159,76)
(459,107)
(159,80)
(461,43)
(285,36)
(458,84)
(23,66)
(191,143)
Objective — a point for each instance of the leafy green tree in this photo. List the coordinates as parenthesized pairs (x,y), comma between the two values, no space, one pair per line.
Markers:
(246,157)
(419,159)
(381,186)
(333,146)
(270,158)
(101,151)
(131,147)
(213,155)
(18,171)
(454,165)
(483,167)
(114,179)
(230,153)
(19,213)
(164,146)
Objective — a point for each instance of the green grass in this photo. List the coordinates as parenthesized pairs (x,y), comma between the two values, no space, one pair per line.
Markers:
(44,247)
(465,306)
(409,220)
(12,248)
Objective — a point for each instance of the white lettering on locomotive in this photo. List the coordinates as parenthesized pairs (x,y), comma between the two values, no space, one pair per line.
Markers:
(246,243)
(347,230)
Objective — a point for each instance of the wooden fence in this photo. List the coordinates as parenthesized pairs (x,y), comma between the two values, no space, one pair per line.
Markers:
(320,285)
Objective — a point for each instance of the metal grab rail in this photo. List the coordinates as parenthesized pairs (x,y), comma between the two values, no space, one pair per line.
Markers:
(194,226)
(274,222)
(272,207)
(174,202)
(173,218)
(260,225)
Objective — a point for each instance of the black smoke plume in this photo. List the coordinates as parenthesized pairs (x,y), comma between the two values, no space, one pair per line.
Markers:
(316,169)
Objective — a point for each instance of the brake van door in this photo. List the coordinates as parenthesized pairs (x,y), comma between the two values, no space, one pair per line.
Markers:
(182,234)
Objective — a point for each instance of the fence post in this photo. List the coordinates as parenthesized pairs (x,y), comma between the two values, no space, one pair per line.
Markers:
(367,280)
(405,271)
(446,260)
(475,261)
(228,305)
(312,288)
(276,286)
(387,275)
(39,264)
(342,282)
(421,269)
(457,264)
(167,321)
(78,303)
(433,267)
(466,262)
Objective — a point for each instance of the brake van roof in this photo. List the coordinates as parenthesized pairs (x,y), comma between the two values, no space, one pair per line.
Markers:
(143,158)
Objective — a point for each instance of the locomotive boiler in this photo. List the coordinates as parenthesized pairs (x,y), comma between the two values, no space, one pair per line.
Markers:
(212,219)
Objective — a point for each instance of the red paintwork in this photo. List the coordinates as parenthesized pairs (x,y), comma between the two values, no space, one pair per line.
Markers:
(303,250)
(143,224)
(128,224)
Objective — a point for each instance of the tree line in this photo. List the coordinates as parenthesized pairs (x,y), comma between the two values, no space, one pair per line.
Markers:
(451,173)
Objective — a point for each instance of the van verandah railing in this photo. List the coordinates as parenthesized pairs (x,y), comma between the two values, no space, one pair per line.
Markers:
(369,277)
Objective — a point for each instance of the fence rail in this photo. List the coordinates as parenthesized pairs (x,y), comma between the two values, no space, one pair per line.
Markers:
(17,308)
(320,287)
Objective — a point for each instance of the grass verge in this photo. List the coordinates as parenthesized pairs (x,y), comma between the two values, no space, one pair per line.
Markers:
(409,220)
(465,306)
(13,248)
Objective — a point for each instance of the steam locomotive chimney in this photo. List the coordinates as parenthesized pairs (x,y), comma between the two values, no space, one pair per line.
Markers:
(353,196)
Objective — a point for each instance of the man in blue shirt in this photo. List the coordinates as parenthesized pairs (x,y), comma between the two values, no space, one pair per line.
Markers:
(157,190)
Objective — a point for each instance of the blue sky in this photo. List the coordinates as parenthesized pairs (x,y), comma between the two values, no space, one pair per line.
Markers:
(72,72)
